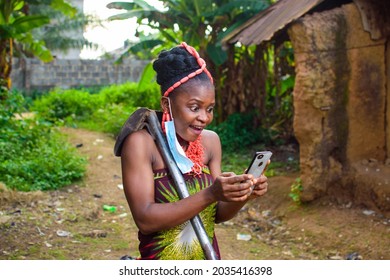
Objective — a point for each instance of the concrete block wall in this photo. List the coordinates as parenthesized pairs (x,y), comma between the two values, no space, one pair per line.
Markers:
(33,74)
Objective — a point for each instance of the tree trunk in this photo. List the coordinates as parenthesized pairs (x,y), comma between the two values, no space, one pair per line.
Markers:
(5,66)
(245,83)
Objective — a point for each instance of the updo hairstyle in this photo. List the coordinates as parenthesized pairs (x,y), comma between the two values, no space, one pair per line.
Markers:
(173,65)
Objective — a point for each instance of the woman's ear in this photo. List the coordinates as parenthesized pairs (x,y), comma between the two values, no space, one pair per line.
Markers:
(164,104)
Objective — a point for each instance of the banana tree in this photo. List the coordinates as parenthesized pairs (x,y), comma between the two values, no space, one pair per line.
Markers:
(16,25)
(61,34)
(200,23)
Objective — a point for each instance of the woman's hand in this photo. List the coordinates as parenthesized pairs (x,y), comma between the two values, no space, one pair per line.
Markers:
(230,187)
(260,186)
(233,191)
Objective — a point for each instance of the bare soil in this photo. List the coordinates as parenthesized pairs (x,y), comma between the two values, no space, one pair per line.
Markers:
(71,223)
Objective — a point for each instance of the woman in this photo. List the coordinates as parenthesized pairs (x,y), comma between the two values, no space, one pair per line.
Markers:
(161,217)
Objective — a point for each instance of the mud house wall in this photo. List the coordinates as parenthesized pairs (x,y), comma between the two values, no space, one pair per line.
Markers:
(388,99)
(340,105)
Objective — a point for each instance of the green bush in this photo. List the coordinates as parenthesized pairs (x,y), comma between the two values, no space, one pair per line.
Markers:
(296,190)
(33,155)
(109,119)
(104,111)
(67,105)
(129,94)
(239,132)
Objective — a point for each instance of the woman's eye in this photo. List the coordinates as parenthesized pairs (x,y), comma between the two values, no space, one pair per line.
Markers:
(210,110)
(195,108)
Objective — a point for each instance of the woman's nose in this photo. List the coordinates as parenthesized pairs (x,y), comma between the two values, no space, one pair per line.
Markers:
(202,116)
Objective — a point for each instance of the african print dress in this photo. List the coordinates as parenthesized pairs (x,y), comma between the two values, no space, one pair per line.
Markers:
(180,242)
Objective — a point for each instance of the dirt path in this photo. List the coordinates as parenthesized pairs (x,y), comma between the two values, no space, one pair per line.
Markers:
(71,224)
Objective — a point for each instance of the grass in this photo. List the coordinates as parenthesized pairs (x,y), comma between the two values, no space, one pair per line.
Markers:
(57,254)
(120,245)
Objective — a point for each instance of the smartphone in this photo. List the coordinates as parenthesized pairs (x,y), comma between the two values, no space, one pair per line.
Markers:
(258,163)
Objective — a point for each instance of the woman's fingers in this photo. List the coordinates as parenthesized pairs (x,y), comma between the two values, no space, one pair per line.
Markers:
(234,187)
(240,187)
(261,186)
(231,178)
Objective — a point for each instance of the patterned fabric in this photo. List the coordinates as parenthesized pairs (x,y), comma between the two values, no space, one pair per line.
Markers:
(180,242)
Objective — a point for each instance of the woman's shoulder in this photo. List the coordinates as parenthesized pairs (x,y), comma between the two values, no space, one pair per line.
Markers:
(206,133)
(210,139)
(141,140)
(213,150)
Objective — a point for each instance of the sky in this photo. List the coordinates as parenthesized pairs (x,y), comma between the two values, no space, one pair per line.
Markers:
(113,34)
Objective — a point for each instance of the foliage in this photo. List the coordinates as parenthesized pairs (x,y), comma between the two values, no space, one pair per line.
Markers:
(67,105)
(16,27)
(201,23)
(108,119)
(279,87)
(104,111)
(59,34)
(239,131)
(13,25)
(131,94)
(247,78)
(296,190)
(33,155)
(238,161)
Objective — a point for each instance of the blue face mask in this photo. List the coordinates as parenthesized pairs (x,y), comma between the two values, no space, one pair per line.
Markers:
(183,162)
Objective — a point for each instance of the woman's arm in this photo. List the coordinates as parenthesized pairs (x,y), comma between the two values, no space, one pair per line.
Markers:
(138,154)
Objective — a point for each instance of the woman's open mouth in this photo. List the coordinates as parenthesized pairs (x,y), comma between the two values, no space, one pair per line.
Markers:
(197,129)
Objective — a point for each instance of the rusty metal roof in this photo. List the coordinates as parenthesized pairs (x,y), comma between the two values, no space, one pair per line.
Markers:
(263,26)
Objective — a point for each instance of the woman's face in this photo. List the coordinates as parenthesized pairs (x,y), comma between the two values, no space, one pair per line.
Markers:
(192,109)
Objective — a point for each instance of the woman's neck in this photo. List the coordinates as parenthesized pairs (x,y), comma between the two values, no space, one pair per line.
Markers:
(183,143)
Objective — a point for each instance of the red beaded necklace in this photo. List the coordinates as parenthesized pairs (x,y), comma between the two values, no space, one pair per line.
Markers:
(195,153)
